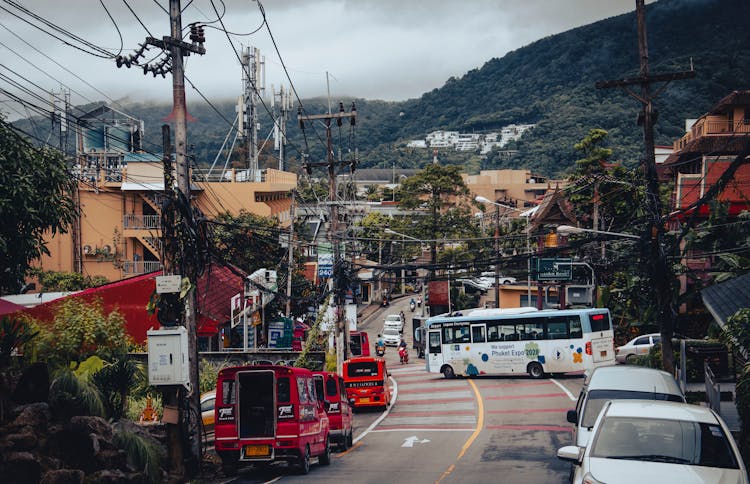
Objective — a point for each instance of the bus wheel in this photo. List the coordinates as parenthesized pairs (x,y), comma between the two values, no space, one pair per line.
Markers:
(535,370)
(229,465)
(448,372)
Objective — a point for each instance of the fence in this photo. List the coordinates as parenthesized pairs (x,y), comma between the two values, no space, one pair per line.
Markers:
(713,389)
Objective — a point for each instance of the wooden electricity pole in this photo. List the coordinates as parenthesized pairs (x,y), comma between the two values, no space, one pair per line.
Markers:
(658,266)
(342,329)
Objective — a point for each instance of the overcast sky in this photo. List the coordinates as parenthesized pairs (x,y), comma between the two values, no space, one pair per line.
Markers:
(375,49)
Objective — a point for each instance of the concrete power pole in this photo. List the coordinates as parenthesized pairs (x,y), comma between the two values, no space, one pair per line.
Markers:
(658,265)
(252,79)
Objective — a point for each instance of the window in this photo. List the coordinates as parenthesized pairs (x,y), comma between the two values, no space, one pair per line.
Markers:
(557,328)
(331,389)
(575,327)
(644,340)
(208,405)
(227,392)
(600,322)
(508,332)
(531,331)
(477,334)
(319,392)
(493,334)
(282,390)
(456,334)
(366,368)
(434,342)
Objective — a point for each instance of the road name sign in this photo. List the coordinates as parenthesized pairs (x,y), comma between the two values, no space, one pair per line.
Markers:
(554,269)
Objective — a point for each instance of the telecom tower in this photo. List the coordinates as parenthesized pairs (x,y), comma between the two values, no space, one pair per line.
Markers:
(253,81)
(283,99)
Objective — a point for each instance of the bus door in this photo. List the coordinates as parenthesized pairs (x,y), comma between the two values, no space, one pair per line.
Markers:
(477,348)
(434,351)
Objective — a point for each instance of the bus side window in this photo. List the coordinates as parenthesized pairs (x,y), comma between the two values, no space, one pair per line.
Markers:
(492,334)
(575,327)
(462,335)
(434,342)
(448,335)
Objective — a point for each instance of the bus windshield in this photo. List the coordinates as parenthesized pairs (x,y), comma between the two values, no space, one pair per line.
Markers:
(362,369)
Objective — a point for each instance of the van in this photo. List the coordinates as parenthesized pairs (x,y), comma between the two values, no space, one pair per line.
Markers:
(359,343)
(366,381)
(269,413)
(618,383)
(332,393)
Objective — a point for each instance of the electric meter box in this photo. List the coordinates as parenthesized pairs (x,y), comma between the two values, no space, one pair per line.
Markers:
(168,357)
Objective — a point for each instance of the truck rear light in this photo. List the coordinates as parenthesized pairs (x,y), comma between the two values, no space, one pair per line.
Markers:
(588,348)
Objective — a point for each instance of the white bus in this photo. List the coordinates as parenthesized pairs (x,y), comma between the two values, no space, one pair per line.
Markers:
(519,340)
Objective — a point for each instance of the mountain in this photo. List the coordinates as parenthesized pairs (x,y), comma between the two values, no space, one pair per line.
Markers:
(549,83)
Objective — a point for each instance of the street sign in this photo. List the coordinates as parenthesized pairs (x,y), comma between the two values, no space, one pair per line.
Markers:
(325,265)
(168,284)
(554,269)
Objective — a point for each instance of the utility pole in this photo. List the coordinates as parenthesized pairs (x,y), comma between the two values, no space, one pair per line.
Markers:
(342,327)
(658,266)
(290,261)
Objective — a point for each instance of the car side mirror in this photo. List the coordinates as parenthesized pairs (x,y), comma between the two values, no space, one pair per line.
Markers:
(572,416)
(571,453)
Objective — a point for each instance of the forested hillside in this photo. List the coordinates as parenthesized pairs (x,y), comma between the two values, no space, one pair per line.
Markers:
(549,83)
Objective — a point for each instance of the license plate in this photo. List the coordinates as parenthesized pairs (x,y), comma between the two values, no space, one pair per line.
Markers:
(256,451)
(364,400)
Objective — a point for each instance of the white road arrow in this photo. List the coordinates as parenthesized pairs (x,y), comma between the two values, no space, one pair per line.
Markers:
(410,441)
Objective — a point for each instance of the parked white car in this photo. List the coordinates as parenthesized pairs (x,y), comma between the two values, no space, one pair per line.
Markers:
(618,382)
(657,442)
(640,345)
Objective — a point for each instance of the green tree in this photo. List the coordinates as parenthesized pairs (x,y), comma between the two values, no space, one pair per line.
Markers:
(440,192)
(80,329)
(68,281)
(36,199)
(248,241)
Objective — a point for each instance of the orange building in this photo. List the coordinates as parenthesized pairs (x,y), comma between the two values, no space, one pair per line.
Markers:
(518,188)
(118,231)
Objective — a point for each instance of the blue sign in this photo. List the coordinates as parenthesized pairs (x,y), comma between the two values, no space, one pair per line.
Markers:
(325,271)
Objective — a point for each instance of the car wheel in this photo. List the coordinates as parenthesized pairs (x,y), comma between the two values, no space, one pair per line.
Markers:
(629,359)
(535,370)
(448,372)
(325,457)
(304,461)
(350,439)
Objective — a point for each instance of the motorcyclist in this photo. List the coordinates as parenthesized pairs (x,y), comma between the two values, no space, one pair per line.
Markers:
(412,304)
(402,351)
(380,345)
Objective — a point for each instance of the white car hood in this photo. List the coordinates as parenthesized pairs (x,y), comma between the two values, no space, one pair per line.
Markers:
(614,471)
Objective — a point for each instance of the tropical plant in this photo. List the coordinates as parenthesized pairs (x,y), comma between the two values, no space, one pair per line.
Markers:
(114,382)
(80,329)
(71,395)
(37,199)
(142,454)
(14,334)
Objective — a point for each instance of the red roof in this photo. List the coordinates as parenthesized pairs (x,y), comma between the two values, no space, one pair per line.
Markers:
(7,307)
(130,297)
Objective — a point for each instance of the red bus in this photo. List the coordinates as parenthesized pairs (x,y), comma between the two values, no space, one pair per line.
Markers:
(366,380)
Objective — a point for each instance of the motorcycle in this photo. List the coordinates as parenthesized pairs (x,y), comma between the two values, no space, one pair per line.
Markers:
(412,306)
(403,355)
(380,350)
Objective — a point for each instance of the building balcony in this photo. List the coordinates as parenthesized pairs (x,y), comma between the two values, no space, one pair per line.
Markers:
(134,267)
(711,126)
(141,222)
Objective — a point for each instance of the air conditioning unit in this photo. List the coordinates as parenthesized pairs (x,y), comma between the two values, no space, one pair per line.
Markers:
(87,249)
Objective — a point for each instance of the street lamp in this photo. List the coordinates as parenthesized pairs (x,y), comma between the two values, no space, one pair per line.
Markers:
(497,205)
(569,229)
(424,284)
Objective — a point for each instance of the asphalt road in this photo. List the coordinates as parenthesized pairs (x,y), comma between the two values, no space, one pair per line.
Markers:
(498,429)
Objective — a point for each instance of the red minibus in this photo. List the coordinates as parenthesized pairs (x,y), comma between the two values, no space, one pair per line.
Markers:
(359,343)
(331,391)
(366,380)
(268,413)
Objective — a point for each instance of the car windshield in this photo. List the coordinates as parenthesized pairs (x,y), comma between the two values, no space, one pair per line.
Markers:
(393,317)
(660,440)
(597,398)
(390,332)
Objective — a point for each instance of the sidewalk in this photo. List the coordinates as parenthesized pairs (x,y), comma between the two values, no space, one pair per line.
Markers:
(728,410)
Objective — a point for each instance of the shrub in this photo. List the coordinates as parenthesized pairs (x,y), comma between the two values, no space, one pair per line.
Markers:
(142,454)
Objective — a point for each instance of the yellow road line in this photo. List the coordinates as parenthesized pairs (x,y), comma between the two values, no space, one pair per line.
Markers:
(474,435)
(342,454)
